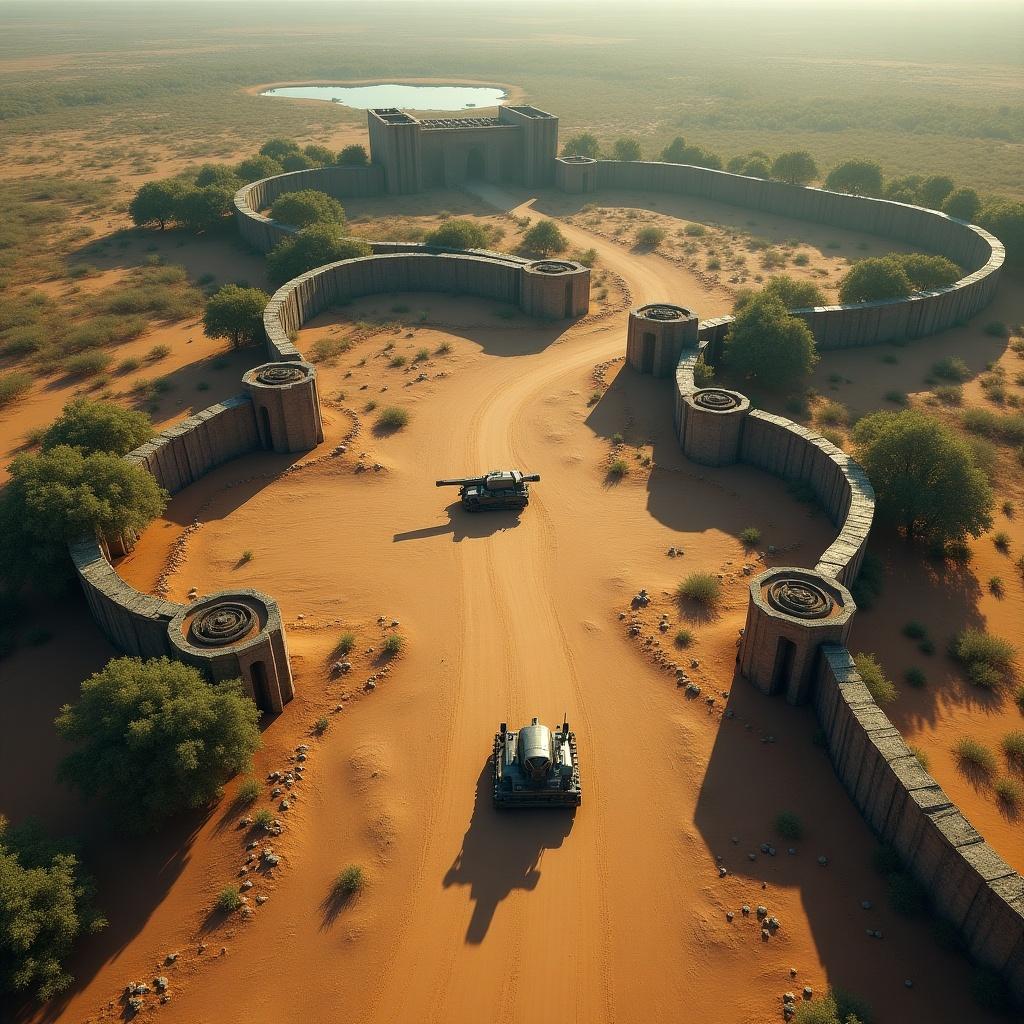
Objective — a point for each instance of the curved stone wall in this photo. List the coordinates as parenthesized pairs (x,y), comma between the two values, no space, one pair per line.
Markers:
(490,275)
(979,253)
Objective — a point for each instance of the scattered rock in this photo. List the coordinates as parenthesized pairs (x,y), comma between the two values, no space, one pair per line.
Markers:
(762,911)
(908,983)
(823,861)
(160,983)
(722,872)
(260,900)
(808,992)
(729,915)
(745,910)
(641,599)
(246,885)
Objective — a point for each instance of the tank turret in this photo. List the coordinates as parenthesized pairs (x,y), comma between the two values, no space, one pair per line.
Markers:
(499,489)
(535,767)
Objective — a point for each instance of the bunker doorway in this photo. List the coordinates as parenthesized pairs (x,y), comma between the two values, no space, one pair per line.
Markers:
(266,438)
(784,655)
(476,168)
(261,686)
(647,354)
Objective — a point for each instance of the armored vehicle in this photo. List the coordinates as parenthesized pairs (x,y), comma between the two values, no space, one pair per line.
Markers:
(501,488)
(534,767)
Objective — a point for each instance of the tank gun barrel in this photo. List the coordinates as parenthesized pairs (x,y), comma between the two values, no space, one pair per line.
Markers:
(532,478)
(460,482)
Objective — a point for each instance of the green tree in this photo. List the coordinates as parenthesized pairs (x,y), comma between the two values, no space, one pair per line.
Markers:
(63,495)
(154,738)
(925,477)
(878,277)
(792,293)
(156,202)
(584,144)
(737,164)
(459,233)
(218,174)
(312,247)
(257,167)
(1005,219)
(627,149)
(757,167)
(98,427)
(962,203)
(298,162)
(204,208)
(354,156)
(544,239)
(306,207)
(319,154)
(927,272)
(796,167)
(235,313)
(678,152)
(861,177)
(933,190)
(45,904)
(278,149)
(767,344)
(903,190)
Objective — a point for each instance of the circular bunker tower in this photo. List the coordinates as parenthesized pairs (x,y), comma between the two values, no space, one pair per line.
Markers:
(657,335)
(287,405)
(236,634)
(576,174)
(555,289)
(713,425)
(790,614)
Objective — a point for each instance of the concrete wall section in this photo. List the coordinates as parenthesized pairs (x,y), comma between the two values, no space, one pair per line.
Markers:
(968,882)
(980,254)
(180,455)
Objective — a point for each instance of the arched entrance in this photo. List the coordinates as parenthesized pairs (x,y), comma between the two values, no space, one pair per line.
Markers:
(476,167)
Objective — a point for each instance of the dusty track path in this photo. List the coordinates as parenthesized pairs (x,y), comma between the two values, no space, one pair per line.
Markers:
(615,914)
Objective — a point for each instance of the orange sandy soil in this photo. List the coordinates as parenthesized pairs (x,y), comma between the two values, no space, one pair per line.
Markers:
(616,913)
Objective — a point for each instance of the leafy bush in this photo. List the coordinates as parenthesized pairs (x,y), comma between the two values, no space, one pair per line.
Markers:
(391,419)
(835,1007)
(306,207)
(98,427)
(769,345)
(951,368)
(832,414)
(256,167)
(312,247)
(62,495)
(618,468)
(861,177)
(544,239)
(925,476)
(975,756)
(797,168)
(326,349)
(1013,749)
(988,659)
(915,678)
(650,237)
(627,149)
(392,645)
(701,587)
(263,818)
(878,277)
(87,364)
(962,203)
(915,630)
(684,638)
(136,746)
(789,826)
(459,233)
(346,642)
(321,725)
(1009,429)
(1009,793)
(353,156)
(928,272)
(350,882)
(13,385)
(248,791)
(229,899)
(46,905)
(875,679)
(584,144)
(750,536)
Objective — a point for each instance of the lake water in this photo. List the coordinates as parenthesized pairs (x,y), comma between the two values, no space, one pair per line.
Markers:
(405,97)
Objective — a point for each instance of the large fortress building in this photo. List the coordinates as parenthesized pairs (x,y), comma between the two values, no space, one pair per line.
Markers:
(519,145)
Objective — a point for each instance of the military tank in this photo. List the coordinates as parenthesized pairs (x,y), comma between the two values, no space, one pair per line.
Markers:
(534,767)
(499,489)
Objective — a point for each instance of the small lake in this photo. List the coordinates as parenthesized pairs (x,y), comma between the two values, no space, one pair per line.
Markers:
(405,97)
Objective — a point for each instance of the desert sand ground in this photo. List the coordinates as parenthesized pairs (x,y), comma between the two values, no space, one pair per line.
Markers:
(617,913)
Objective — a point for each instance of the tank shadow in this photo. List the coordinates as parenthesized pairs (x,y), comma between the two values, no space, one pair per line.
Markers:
(462,524)
(502,852)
